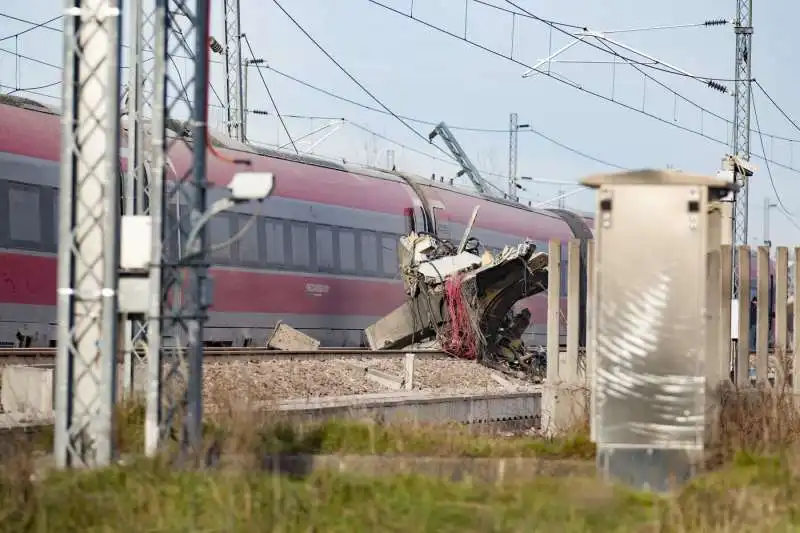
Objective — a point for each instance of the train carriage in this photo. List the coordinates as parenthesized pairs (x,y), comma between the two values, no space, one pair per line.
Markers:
(322,255)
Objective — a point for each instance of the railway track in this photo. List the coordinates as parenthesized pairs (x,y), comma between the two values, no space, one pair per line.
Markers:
(46,356)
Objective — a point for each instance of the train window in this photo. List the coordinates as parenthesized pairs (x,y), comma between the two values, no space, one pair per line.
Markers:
(301,256)
(369,252)
(347,250)
(24,213)
(56,209)
(248,244)
(219,231)
(564,277)
(389,255)
(273,235)
(325,256)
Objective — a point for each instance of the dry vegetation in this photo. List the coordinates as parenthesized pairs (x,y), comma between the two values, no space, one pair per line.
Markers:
(752,484)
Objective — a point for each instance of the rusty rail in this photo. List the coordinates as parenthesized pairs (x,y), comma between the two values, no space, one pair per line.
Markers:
(46,356)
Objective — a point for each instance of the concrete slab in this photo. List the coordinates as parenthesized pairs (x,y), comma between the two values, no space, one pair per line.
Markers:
(27,390)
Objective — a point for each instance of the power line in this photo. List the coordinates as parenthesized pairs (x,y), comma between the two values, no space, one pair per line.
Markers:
(788,214)
(703,110)
(486,130)
(35,26)
(709,81)
(269,93)
(580,88)
(778,107)
(705,23)
(460,128)
(559,26)
(30,89)
(449,161)
(316,88)
(353,79)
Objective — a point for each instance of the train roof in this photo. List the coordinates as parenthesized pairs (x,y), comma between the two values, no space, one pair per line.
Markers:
(221,140)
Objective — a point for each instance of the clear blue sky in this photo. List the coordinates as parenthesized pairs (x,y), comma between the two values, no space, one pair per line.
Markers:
(422,73)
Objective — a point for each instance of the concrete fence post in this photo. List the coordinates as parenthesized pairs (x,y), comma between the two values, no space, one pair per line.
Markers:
(408,372)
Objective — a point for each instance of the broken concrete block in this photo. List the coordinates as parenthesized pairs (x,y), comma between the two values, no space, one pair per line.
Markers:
(285,337)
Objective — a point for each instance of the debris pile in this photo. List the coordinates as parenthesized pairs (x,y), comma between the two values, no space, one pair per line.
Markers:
(462,299)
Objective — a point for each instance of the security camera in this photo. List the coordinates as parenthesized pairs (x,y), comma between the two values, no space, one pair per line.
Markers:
(251,186)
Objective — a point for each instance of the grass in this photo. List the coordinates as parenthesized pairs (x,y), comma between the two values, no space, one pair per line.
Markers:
(752,487)
(752,495)
(351,437)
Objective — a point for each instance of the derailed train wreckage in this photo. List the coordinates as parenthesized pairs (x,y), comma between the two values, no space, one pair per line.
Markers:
(462,300)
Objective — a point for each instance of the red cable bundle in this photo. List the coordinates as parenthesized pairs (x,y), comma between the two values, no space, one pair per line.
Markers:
(460,338)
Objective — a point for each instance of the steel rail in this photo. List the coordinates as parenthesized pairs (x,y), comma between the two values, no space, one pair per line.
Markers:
(45,356)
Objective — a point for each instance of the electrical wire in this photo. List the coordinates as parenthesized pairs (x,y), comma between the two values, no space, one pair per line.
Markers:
(189,57)
(706,23)
(703,110)
(209,144)
(269,93)
(590,92)
(35,26)
(778,107)
(29,89)
(399,117)
(559,26)
(458,128)
(354,80)
(789,215)
(707,80)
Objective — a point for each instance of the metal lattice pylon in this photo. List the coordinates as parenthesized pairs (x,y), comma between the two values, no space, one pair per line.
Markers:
(137,138)
(743,27)
(179,272)
(88,250)
(233,69)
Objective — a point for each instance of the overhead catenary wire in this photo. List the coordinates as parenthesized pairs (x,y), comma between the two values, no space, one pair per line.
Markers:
(498,130)
(559,26)
(710,81)
(30,89)
(702,109)
(257,65)
(706,23)
(35,26)
(504,131)
(353,79)
(590,92)
(785,210)
(777,106)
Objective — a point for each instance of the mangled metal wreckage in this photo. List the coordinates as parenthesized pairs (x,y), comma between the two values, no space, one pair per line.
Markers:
(462,300)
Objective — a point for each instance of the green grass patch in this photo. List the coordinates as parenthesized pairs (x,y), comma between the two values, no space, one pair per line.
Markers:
(758,495)
(345,437)
(148,497)
(350,437)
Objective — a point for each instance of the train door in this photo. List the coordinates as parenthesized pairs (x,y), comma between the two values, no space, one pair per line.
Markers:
(416,220)
(439,214)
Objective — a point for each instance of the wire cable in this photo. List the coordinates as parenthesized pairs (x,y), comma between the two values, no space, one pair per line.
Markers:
(778,107)
(789,215)
(704,24)
(703,110)
(580,88)
(35,26)
(707,80)
(459,128)
(354,80)
(269,93)
(29,89)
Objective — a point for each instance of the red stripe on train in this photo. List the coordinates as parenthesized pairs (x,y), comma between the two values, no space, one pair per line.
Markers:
(30,279)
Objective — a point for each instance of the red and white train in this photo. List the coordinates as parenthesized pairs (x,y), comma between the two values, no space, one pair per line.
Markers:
(322,256)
